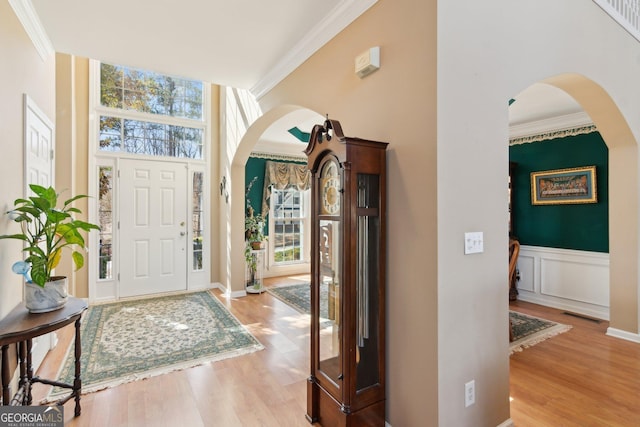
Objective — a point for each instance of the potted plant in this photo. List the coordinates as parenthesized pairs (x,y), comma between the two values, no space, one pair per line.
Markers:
(254,230)
(47,230)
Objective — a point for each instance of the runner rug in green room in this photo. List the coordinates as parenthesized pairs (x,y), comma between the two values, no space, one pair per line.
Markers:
(136,339)
(529,330)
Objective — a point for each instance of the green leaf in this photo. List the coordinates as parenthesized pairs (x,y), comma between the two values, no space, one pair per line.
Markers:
(38,271)
(41,203)
(14,236)
(73,199)
(86,226)
(57,216)
(28,209)
(38,189)
(70,234)
(78,259)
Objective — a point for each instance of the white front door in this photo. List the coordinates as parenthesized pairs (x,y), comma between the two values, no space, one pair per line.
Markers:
(153,227)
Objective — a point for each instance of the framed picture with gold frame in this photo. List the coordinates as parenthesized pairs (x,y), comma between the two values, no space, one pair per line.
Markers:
(564,186)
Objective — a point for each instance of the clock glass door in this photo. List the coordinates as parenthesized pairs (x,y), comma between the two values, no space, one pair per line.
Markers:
(330,271)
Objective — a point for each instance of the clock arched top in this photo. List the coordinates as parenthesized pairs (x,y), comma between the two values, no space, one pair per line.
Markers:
(325,138)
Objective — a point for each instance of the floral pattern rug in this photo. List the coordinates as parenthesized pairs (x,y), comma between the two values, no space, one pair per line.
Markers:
(529,330)
(132,340)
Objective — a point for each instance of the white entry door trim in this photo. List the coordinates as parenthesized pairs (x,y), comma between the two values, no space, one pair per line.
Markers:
(153,227)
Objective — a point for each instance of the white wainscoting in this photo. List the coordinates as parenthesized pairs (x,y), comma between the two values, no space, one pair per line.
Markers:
(575,281)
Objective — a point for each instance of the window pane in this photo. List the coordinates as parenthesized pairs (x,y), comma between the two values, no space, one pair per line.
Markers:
(197,220)
(288,225)
(105,218)
(149,92)
(153,139)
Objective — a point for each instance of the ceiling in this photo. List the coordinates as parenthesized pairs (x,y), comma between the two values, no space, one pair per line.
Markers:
(227,42)
(246,44)
(541,102)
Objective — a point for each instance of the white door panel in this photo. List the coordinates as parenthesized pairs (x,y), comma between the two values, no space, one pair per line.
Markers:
(153,218)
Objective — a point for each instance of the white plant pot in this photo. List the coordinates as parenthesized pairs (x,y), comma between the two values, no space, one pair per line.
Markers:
(52,297)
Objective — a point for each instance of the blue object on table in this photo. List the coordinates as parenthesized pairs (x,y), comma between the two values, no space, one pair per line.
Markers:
(22,267)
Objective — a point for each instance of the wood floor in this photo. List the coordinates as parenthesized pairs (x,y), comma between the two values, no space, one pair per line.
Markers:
(580,378)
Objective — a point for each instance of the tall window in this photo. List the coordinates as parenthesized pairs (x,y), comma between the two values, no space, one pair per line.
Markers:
(197,226)
(150,113)
(105,219)
(288,216)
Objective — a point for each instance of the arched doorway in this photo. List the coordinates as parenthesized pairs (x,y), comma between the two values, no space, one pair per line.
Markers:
(282,117)
(622,197)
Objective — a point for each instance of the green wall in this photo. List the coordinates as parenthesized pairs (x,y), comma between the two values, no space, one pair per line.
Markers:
(254,168)
(581,226)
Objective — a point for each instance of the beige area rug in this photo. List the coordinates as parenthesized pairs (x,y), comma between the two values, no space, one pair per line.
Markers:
(529,331)
(132,340)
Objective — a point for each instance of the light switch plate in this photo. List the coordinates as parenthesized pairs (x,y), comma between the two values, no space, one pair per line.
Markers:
(473,242)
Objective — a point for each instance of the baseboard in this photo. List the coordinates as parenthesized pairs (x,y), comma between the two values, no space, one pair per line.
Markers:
(507,423)
(231,294)
(619,333)
(591,311)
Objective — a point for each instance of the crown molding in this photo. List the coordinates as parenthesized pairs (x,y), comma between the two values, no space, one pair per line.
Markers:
(327,28)
(28,17)
(555,127)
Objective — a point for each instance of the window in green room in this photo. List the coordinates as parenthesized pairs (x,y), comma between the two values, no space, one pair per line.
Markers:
(288,215)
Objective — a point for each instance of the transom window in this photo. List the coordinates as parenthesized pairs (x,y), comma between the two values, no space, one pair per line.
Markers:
(150,114)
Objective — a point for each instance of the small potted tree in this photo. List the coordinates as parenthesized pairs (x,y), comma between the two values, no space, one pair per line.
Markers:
(47,230)
(253,223)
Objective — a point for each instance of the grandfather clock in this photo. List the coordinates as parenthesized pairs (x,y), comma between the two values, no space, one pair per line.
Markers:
(347,382)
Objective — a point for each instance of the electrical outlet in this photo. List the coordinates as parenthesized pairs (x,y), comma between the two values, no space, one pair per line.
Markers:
(469,393)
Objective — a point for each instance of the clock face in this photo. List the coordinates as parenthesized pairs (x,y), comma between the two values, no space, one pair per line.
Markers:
(330,190)
(331,195)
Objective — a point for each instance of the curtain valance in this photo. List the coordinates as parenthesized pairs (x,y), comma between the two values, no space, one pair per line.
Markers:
(283,175)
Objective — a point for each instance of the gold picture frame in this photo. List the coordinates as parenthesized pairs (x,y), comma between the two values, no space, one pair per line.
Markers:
(564,186)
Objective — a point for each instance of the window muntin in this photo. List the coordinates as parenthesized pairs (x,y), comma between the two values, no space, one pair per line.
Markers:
(288,216)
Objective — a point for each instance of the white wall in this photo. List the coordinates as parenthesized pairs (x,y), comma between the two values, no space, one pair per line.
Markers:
(22,71)
(487,53)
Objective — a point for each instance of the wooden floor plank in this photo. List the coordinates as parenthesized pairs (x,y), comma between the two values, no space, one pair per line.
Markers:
(579,378)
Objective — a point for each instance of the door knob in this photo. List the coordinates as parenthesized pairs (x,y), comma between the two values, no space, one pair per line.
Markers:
(182,233)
